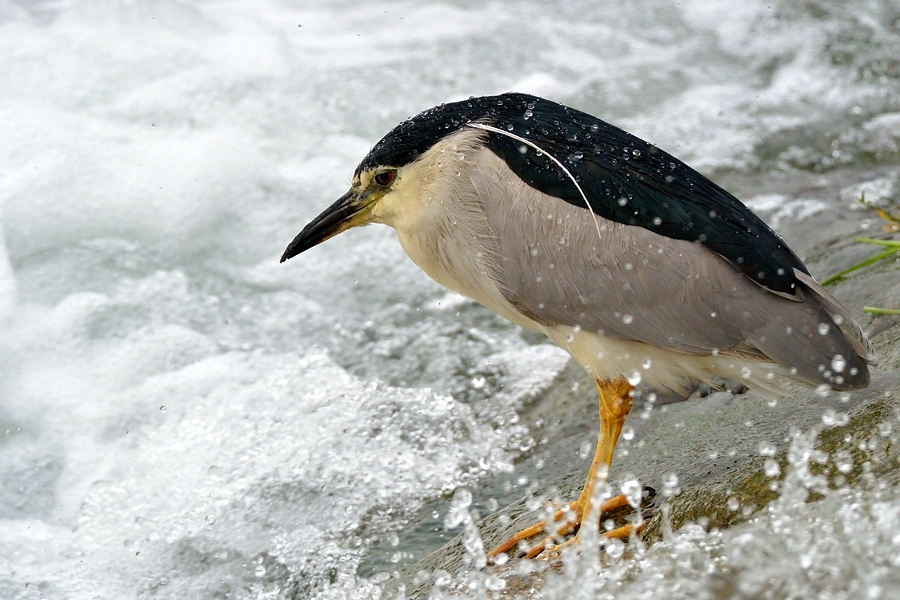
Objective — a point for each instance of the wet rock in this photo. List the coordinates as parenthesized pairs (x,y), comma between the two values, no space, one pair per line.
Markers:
(717,446)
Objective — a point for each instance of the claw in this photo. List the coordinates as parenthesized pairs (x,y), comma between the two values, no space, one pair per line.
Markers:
(567,527)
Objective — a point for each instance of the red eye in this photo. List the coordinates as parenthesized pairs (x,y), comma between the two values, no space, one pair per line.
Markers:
(385,178)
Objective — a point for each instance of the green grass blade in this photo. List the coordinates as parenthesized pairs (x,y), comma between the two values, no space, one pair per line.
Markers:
(889,243)
(860,265)
(880,311)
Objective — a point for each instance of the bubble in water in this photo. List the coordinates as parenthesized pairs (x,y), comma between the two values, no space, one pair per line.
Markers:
(210,520)
(823,390)
(733,504)
(657,221)
(528,114)
(746,372)
(627,319)
(885,429)
(634,377)
(163,408)
(260,570)
(771,468)
(478,382)
(628,432)
(646,363)
(823,328)
(838,363)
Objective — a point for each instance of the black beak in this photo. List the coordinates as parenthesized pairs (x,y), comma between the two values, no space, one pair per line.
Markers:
(333,220)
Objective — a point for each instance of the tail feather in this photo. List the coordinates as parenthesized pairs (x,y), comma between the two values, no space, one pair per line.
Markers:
(841,318)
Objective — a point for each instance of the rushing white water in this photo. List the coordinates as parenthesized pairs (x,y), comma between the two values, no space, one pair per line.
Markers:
(183,417)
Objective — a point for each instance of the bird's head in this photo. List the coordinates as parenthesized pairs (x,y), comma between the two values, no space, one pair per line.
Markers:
(355,208)
(405,163)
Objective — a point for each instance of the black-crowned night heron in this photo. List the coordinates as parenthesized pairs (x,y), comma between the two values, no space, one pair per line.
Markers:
(635,264)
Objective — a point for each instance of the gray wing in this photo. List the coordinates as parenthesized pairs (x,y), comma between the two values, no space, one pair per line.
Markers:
(562,264)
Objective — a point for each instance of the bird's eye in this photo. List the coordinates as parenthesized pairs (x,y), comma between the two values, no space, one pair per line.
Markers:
(385,178)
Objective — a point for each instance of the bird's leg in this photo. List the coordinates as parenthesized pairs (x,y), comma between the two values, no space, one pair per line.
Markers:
(615,403)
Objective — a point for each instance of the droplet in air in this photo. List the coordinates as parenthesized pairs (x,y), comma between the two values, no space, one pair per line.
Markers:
(627,319)
(584,450)
(210,520)
(767,449)
(633,491)
(260,570)
(669,484)
(657,221)
(646,363)
(838,363)
(478,382)
(733,504)
(634,377)
(746,372)
(823,328)
(528,114)
(771,468)
(163,408)
(833,418)
(823,390)
(615,548)
(628,432)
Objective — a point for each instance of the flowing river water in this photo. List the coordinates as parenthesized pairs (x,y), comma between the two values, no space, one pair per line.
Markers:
(183,417)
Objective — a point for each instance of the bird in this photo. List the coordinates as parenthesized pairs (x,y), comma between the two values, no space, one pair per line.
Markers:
(645,271)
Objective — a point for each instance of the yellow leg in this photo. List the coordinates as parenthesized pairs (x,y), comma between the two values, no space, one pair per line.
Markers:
(615,403)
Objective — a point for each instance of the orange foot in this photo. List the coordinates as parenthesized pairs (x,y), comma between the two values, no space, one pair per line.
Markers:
(568,525)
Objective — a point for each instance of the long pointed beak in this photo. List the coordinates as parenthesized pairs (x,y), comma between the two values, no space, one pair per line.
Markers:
(349,211)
